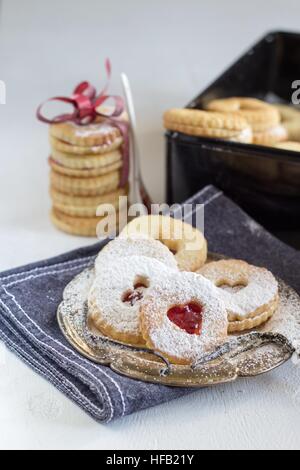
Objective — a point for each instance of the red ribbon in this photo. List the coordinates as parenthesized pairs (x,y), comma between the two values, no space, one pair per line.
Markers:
(85,102)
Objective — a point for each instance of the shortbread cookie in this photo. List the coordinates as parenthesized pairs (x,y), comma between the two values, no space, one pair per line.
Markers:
(249,293)
(135,246)
(292,146)
(183,318)
(260,115)
(90,135)
(207,124)
(74,211)
(290,117)
(86,162)
(85,201)
(81,226)
(117,293)
(83,206)
(65,147)
(86,173)
(89,211)
(186,242)
(85,186)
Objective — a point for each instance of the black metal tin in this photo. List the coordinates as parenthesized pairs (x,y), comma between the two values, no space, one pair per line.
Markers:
(263,180)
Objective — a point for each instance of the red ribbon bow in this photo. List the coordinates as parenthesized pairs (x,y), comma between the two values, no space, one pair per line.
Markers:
(86,103)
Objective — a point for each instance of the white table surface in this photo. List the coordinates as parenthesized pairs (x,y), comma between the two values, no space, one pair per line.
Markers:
(170,50)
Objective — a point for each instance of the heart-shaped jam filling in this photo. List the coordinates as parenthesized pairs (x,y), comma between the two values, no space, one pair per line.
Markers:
(188,317)
(133,296)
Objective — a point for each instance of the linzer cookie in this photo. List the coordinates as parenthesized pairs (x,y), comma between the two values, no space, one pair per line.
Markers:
(249,293)
(138,245)
(207,124)
(117,293)
(183,317)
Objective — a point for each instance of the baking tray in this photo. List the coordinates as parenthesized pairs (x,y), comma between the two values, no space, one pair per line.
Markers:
(264,181)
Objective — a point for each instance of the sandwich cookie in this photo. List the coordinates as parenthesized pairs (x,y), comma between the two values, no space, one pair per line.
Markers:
(207,124)
(249,293)
(117,294)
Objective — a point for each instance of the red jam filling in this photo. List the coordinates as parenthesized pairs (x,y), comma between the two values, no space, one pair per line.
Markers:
(188,317)
(134,296)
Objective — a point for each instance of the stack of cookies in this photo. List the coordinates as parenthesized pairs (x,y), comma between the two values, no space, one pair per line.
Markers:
(86,164)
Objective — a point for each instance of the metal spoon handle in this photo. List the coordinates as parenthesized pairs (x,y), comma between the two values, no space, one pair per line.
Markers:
(138,193)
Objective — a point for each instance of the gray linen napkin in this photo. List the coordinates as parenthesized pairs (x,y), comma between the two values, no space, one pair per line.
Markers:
(29,297)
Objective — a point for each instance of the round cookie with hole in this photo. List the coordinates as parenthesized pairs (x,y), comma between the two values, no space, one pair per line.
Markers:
(117,293)
(249,293)
(186,242)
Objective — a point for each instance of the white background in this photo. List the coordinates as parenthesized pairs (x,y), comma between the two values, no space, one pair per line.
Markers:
(171,50)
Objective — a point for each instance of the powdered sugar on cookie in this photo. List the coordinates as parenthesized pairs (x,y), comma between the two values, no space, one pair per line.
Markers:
(258,287)
(181,290)
(139,245)
(117,292)
(93,130)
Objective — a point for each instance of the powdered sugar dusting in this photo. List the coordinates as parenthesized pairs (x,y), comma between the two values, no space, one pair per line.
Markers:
(260,286)
(115,279)
(286,319)
(244,136)
(135,246)
(78,288)
(278,132)
(117,142)
(180,289)
(75,298)
(93,130)
(74,309)
(263,358)
(253,226)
